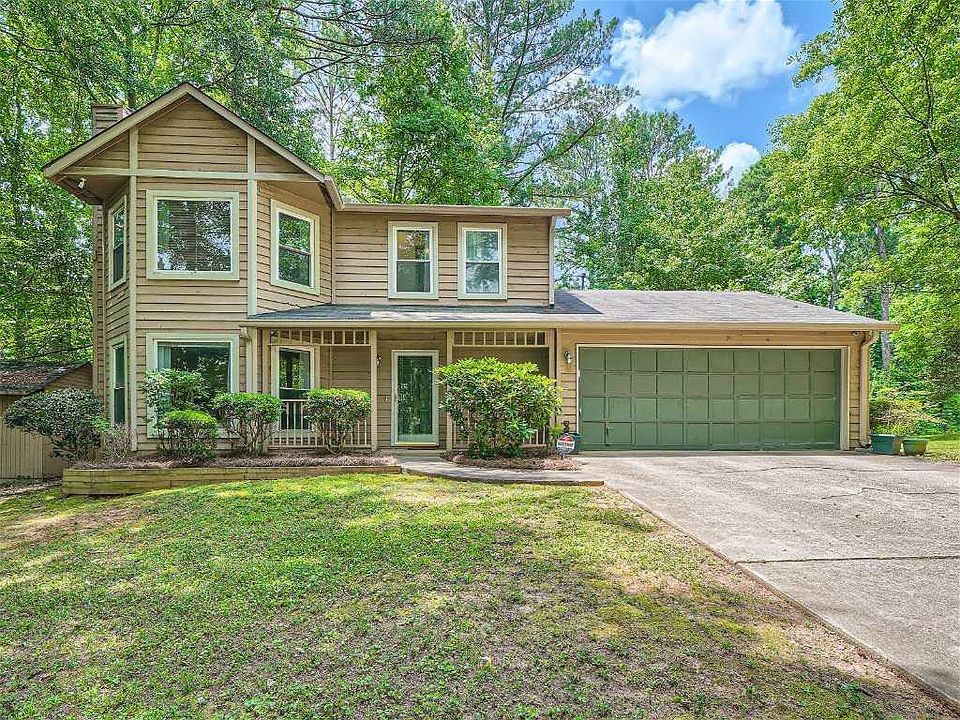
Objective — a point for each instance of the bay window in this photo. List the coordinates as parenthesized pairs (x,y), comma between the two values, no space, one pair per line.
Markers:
(294,247)
(117,241)
(193,234)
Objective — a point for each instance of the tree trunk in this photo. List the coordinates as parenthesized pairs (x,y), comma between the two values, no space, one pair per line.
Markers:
(886,347)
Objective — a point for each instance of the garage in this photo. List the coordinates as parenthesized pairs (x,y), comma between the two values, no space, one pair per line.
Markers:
(643,398)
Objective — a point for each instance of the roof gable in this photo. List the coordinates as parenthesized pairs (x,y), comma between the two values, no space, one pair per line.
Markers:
(153,109)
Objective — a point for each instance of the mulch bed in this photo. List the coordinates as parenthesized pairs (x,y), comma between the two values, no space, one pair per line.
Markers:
(275,460)
(532,460)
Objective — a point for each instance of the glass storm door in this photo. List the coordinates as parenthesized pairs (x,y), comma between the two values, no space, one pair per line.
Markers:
(293,383)
(414,398)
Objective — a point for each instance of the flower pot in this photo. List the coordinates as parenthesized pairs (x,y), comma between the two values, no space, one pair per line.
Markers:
(883,444)
(914,446)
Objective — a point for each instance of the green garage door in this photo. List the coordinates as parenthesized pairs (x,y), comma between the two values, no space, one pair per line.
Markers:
(716,399)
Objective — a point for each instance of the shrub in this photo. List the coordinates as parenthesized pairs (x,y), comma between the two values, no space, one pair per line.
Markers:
(249,418)
(190,435)
(336,412)
(497,405)
(65,416)
(898,413)
(951,411)
(167,390)
(114,440)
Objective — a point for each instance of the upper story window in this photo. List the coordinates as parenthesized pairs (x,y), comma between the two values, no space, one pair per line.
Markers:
(413,260)
(483,263)
(193,234)
(117,241)
(294,247)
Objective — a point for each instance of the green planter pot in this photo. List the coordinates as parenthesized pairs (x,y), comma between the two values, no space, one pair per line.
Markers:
(914,446)
(883,444)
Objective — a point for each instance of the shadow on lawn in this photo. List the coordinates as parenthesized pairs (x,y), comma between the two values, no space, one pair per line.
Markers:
(342,597)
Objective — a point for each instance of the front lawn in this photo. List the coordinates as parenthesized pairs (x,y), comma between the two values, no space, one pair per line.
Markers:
(945,447)
(375,597)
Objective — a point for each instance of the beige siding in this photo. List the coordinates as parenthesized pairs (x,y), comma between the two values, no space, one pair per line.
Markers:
(360,258)
(274,297)
(570,339)
(267,161)
(115,155)
(190,136)
(186,306)
(538,356)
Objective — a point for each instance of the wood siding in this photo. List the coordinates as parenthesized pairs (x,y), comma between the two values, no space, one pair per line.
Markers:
(360,258)
(275,297)
(189,136)
(570,339)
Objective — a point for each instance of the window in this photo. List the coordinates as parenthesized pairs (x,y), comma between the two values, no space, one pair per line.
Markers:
(413,260)
(193,234)
(211,360)
(294,247)
(483,261)
(118,382)
(117,241)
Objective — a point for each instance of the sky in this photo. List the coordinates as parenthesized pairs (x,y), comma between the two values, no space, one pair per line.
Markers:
(721,64)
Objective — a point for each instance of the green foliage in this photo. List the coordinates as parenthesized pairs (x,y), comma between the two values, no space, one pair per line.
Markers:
(189,435)
(496,405)
(897,413)
(248,418)
(167,390)
(68,417)
(951,411)
(336,412)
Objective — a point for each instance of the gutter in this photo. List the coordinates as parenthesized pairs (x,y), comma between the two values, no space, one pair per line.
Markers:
(546,323)
(872,337)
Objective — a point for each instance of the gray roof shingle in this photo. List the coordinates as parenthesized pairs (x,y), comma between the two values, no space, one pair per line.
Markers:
(642,307)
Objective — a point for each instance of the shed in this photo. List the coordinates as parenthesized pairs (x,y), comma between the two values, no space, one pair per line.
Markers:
(23,455)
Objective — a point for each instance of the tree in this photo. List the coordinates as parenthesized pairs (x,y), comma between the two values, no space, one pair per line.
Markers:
(428,133)
(538,59)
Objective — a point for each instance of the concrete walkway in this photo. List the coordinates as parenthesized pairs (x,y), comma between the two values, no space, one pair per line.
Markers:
(432,466)
(869,544)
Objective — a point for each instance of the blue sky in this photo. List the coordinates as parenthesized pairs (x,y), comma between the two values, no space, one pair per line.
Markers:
(721,64)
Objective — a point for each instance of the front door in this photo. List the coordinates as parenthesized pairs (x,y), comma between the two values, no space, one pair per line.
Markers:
(415,413)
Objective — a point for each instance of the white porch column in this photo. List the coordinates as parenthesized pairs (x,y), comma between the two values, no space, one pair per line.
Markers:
(372,339)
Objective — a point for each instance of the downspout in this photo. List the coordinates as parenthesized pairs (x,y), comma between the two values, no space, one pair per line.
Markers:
(872,337)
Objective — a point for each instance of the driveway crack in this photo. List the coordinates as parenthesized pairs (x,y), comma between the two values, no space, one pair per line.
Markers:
(893,492)
(847,559)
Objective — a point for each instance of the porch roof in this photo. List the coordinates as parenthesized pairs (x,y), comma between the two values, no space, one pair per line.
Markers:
(632,308)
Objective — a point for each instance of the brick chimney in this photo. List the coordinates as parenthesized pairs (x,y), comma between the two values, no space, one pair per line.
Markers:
(103,116)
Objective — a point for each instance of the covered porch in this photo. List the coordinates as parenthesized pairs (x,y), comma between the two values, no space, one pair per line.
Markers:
(396,366)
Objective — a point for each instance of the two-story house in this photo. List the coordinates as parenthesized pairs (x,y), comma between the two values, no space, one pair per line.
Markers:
(217,249)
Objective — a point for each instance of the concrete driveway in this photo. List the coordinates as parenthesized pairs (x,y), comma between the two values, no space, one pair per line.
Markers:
(869,544)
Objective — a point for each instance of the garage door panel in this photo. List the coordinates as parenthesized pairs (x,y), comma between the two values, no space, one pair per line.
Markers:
(711,398)
(670,384)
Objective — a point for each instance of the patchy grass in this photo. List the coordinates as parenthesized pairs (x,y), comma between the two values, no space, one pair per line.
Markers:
(945,447)
(384,597)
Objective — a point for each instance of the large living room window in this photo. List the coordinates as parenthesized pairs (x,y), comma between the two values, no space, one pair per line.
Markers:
(117,241)
(193,234)
(413,260)
(294,247)
(483,272)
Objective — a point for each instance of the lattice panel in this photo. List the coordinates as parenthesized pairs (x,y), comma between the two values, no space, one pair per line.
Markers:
(320,337)
(500,338)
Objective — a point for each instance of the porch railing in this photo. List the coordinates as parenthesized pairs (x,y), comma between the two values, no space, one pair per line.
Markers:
(540,438)
(295,431)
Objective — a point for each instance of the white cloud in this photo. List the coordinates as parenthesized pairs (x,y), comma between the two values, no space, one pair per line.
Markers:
(711,50)
(736,158)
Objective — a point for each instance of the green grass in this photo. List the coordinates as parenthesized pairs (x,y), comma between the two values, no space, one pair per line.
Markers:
(945,447)
(375,597)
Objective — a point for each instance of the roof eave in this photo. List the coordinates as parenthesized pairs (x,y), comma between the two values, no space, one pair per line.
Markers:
(504,210)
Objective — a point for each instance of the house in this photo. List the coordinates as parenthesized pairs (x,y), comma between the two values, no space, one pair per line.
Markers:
(24,455)
(218,249)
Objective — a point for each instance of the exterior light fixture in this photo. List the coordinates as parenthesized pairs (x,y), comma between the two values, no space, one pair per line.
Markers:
(568,356)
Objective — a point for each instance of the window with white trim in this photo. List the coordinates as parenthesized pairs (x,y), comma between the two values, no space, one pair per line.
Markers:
(118,382)
(213,360)
(193,234)
(413,260)
(482,256)
(294,247)
(117,241)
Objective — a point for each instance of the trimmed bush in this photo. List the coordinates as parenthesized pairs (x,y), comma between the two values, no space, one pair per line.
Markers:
(65,416)
(190,435)
(336,412)
(497,405)
(249,418)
